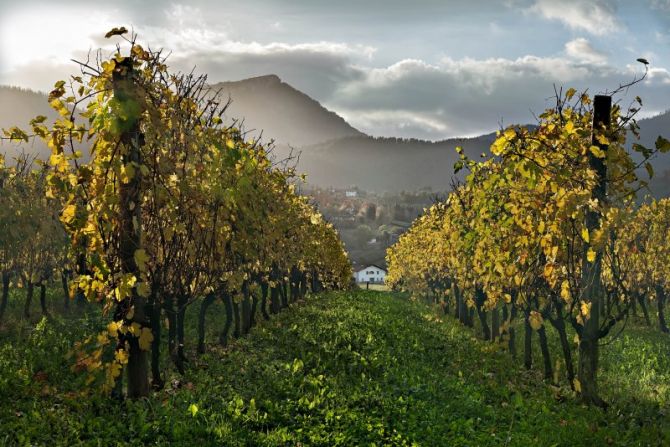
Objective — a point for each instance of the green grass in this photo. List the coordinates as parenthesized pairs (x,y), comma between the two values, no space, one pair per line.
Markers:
(349,368)
(375,287)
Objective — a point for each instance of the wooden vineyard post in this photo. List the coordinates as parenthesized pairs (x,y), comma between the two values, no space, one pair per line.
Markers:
(591,271)
(130,198)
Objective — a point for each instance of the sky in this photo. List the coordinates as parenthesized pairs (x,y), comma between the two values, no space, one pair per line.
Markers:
(428,69)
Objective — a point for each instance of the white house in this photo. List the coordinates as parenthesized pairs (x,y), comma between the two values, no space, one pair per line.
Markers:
(371,273)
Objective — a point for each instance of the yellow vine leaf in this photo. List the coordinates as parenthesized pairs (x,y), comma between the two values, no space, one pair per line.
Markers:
(146,337)
(121,356)
(585,235)
(565,290)
(590,255)
(602,139)
(141,259)
(535,320)
(115,369)
(143,289)
(596,151)
(113,328)
(127,173)
(69,213)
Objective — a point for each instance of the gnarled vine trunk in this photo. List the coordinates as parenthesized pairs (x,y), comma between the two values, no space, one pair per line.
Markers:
(29,298)
(660,302)
(66,289)
(264,300)
(546,356)
(228,305)
(527,340)
(206,302)
(6,277)
(154,311)
(480,298)
(43,299)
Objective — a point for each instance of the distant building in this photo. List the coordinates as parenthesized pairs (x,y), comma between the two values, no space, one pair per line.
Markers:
(351,193)
(370,273)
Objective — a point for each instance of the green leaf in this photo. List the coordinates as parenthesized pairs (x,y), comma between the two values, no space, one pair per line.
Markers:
(662,144)
(642,150)
(650,169)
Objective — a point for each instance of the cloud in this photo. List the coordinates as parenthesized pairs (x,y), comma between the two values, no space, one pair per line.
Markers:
(389,95)
(27,37)
(661,5)
(658,76)
(464,97)
(581,50)
(184,31)
(405,123)
(593,16)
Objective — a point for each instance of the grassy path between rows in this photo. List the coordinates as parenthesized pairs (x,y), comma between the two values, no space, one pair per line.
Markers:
(346,368)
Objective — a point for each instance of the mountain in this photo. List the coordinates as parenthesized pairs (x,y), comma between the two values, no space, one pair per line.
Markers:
(650,129)
(332,152)
(386,164)
(393,165)
(17,107)
(283,113)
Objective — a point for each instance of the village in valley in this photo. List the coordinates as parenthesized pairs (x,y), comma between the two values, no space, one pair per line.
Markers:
(369,222)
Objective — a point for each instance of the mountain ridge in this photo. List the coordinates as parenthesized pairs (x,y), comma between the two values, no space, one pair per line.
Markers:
(268,103)
(331,151)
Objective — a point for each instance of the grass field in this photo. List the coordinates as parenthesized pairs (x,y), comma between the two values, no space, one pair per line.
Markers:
(376,287)
(346,368)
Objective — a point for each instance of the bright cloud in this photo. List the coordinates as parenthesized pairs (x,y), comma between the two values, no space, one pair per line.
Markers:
(581,49)
(597,17)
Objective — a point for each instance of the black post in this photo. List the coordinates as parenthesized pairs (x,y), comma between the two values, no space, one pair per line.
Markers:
(130,231)
(591,270)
